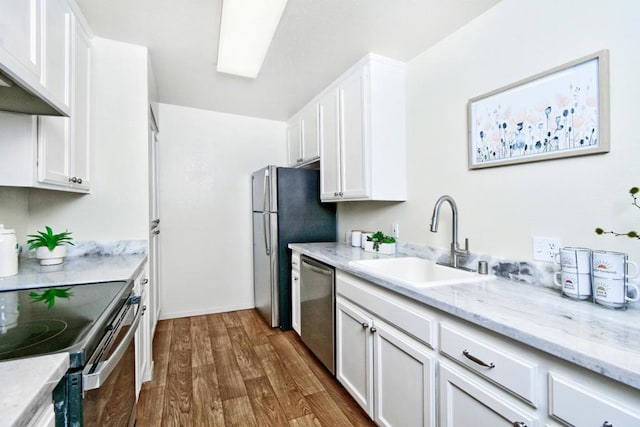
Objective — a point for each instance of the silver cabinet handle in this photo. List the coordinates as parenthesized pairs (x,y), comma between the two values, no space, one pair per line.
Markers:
(73,179)
(607,424)
(519,424)
(341,194)
(365,325)
(295,279)
(155,222)
(478,361)
(79,180)
(373,330)
(156,231)
(145,281)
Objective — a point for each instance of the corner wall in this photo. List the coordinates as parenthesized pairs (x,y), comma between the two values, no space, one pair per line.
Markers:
(500,209)
(206,161)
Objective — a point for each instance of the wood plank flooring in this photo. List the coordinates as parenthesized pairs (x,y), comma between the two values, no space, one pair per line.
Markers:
(231,369)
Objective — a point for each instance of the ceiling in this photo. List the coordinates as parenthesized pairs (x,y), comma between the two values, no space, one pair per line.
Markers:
(315,42)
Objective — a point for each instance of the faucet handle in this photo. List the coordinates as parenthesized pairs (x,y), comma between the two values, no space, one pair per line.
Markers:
(466,244)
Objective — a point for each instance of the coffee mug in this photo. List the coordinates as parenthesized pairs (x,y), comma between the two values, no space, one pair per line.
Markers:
(574,285)
(613,292)
(576,260)
(613,265)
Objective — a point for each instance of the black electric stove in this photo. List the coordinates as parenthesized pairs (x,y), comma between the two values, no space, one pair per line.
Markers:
(59,319)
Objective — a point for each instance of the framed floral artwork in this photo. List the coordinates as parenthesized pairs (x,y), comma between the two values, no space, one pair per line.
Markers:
(562,112)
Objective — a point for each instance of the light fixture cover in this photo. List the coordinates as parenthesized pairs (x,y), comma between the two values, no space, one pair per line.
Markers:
(246,30)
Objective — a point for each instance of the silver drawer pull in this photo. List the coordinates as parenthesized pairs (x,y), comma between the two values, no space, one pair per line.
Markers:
(365,325)
(476,360)
(607,424)
(519,424)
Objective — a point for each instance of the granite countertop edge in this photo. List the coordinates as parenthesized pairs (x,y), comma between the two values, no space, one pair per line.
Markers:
(603,351)
(40,374)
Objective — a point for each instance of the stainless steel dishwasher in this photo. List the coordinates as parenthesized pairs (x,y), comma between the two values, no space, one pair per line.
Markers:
(317,310)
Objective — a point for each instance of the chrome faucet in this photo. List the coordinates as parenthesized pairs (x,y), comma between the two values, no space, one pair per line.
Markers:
(456,252)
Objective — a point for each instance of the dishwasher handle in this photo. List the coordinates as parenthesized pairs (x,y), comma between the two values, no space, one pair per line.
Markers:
(316,269)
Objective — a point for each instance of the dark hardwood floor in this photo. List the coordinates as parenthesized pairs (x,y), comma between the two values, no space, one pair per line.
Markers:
(231,369)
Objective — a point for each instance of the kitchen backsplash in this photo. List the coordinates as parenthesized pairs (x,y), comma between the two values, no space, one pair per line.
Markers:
(98,248)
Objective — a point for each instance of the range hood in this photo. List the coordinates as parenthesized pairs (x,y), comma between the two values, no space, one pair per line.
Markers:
(16,99)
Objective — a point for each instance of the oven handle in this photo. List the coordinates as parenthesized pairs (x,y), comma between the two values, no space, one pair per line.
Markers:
(96,379)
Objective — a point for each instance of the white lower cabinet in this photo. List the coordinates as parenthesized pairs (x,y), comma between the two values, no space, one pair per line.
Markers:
(467,400)
(143,338)
(295,292)
(388,372)
(388,351)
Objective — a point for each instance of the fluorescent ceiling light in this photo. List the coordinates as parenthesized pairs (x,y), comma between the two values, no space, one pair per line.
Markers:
(246,30)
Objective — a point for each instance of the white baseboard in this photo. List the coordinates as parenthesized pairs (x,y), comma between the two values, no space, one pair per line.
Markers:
(201,312)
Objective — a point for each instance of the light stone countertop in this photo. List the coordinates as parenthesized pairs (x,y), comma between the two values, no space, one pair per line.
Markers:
(602,340)
(27,386)
(74,270)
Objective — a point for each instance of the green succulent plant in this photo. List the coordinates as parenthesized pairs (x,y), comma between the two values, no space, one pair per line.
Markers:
(631,233)
(379,237)
(48,239)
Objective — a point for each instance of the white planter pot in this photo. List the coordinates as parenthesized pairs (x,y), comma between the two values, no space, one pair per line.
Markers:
(51,257)
(384,248)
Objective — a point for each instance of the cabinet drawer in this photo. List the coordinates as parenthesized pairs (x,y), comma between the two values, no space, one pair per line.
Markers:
(505,369)
(402,314)
(575,404)
(295,261)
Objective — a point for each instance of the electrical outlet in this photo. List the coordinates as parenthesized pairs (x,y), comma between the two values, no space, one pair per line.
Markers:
(545,248)
(395,230)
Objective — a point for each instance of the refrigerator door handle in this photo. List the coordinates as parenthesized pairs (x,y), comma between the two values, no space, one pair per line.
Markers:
(266,191)
(267,249)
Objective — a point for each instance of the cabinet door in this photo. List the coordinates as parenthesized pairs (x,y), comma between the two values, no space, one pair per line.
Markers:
(404,376)
(354,153)
(81,110)
(53,150)
(20,35)
(329,146)
(295,301)
(57,51)
(467,400)
(310,148)
(354,353)
(294,135)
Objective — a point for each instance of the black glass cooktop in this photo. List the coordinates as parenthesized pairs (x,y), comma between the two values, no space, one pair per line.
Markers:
(50,320)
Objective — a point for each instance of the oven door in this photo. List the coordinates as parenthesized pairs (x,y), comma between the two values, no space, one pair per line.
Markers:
(109,381)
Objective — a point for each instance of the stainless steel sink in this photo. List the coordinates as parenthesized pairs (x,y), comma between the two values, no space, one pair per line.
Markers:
(418,272)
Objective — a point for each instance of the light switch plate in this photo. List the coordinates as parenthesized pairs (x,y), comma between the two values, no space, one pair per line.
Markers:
(545,248)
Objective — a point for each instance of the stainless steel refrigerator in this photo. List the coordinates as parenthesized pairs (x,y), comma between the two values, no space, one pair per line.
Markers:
(286,209)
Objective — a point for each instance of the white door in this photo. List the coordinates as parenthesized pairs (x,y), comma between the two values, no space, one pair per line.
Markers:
(404,375)
(354,353)
(466,400)
(329,146)
(354,171)
(154,232)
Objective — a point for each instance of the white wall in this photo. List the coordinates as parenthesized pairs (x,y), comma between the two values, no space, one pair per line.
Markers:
(206,160)
(502,208)
(14,210)
(117,207)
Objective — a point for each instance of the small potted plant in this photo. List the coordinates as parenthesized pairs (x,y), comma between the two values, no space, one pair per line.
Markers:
(50,249)
(379,242)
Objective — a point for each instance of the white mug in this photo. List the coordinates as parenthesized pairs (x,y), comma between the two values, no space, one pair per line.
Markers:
(356,236)
(365,235)
(576,260)
(613,292)
(573,285)
(613,265)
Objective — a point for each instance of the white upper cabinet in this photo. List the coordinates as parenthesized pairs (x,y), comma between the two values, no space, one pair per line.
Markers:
(303,136)
(35,48)
(363,141)
(20,26)
(56,72)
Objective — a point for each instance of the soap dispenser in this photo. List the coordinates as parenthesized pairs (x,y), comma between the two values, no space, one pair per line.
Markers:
(8,252)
